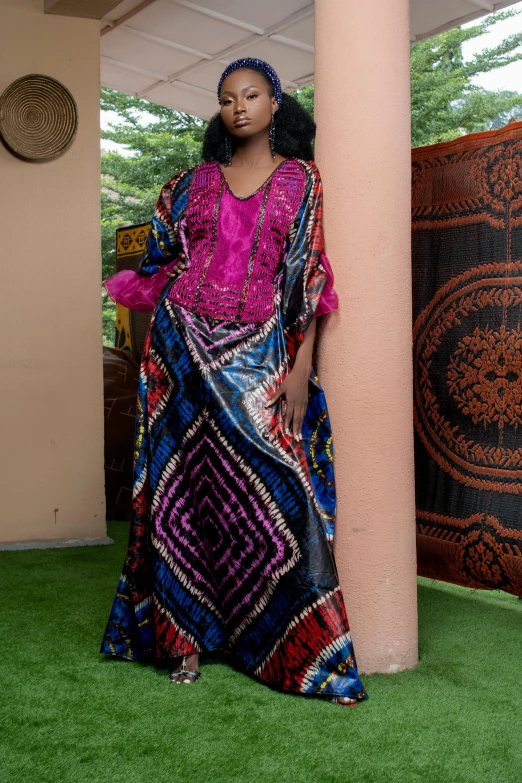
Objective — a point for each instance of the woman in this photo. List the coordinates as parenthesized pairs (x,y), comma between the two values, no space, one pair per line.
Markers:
(230,545)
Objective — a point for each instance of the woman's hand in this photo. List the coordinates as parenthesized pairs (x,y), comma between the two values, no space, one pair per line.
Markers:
(295,389)
(295,385)
(179,267)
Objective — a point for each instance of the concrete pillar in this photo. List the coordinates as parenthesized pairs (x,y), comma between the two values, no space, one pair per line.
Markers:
(51,386)
(363,151)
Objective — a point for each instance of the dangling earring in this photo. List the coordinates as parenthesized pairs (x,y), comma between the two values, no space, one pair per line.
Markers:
(228,151)
(271,136)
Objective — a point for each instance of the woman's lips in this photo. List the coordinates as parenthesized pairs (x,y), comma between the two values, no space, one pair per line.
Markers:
(241,121)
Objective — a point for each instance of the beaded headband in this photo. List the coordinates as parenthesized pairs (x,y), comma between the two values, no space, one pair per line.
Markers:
(248,62)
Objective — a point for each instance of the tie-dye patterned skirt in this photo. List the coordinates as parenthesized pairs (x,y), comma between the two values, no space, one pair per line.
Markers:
(231,537)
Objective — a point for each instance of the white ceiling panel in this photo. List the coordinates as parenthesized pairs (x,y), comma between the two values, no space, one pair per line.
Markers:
(124,80)
(175,96)
(260,14)
(290,65)
(429,17)
(172,52)
(191,28)
(302,31)
(206,77)
(126,45)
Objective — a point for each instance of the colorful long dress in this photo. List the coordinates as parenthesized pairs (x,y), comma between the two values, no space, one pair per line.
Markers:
(231,537)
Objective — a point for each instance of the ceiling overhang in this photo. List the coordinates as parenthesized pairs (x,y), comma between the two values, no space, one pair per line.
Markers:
(87,9)
(172,52)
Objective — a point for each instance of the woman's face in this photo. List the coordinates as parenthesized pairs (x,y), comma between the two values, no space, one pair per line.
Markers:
(246,105)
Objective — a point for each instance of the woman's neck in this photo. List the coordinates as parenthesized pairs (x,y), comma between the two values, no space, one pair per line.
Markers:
(254,153)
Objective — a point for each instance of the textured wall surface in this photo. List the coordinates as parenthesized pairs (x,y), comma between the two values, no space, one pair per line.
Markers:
(51,361)
(363,152)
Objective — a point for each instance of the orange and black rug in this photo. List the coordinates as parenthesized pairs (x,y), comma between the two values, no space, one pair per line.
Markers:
(467,355)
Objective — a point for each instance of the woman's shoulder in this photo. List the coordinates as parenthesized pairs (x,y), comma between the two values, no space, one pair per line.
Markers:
(299,170)
(174,193)
(180,177)
(184,178)
(310,171)
(311,176)
(309,167)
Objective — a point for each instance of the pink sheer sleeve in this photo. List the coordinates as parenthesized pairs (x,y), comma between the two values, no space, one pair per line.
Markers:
(141,289)
(135,291)
(329,300)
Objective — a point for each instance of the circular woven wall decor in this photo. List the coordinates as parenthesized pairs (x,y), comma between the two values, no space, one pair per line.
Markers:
(38,117)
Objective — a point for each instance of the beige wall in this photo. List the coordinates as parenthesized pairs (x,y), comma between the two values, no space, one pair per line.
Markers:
(362,111)
(50,309)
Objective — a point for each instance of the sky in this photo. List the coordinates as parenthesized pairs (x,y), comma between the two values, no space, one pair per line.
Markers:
(507,78)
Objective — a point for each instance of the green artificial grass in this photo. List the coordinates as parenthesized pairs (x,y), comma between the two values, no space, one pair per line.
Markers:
(69,714)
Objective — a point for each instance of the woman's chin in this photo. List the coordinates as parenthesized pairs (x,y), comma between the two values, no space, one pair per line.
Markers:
(244,131)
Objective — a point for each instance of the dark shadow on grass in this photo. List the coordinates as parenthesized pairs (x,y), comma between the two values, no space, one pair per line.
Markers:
(454,617)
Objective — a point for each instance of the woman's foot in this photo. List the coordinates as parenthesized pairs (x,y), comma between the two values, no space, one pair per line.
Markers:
(345,700)
(185,670)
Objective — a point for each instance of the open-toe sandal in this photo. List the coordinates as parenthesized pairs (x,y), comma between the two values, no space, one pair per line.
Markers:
(344,701)
(189,675)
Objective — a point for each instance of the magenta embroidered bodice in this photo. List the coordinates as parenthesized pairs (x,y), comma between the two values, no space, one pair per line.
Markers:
(236,244)
(235,247)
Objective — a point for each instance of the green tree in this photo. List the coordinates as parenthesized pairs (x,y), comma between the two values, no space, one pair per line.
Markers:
(507,115)
(445,102)
(305,96)
(160,145)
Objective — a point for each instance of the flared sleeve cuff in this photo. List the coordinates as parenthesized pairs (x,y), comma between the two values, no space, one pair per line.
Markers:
(137,292)
(329,300)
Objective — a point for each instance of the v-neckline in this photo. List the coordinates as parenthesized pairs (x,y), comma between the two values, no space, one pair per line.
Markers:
(261,187)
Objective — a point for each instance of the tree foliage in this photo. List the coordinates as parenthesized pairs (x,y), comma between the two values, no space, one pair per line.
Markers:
(161,142)
(305,96)
(445,101)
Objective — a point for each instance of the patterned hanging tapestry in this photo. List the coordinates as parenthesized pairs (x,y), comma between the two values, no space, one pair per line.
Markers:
(467,356)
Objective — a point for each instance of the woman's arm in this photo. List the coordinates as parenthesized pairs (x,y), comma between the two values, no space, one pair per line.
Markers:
(140,290)
(307,293)
(295,385)
(307,272)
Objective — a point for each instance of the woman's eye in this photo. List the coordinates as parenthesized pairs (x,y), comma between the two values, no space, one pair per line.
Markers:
(254,95)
